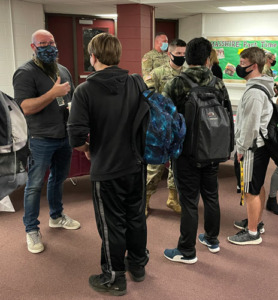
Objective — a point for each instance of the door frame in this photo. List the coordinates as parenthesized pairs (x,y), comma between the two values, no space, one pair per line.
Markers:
(73,28)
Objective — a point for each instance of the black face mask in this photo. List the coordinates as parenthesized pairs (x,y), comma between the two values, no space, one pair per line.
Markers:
(178,60)
(273,63)
(241,71)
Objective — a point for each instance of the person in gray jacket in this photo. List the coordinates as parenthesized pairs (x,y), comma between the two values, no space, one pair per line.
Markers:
(253,114)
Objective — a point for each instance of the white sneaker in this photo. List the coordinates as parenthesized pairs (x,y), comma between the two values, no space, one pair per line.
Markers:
(64,222)
(34,242)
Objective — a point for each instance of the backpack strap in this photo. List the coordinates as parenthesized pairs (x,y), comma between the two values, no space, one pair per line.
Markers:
(187,79)
(140,82)
(213,81)
(262,88)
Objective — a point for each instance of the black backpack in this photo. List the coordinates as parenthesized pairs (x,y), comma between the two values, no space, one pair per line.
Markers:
(210,138)
(271,142)
(163,127)
(14,150)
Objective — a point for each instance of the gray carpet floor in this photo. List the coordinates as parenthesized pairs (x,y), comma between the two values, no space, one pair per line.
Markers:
(70,257)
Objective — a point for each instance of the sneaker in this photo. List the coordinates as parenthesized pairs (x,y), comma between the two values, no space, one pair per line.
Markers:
(34,243)
(212,248)
(243,224)
(260,227)
(272,205)
(176,255)
(137,273)
(101,283)
(244,238)
(64,222)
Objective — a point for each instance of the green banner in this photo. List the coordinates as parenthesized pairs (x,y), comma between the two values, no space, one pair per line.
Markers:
(229,48)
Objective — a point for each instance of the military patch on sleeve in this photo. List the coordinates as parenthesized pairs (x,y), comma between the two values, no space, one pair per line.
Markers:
(149,77)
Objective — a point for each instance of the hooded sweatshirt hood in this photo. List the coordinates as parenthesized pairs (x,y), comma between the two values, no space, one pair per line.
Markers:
(111,78)
(265,81)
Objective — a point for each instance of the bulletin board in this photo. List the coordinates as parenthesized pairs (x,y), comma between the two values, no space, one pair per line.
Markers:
(229,48)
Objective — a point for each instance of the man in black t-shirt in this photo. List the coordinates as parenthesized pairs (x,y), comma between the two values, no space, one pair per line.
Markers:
(43,88)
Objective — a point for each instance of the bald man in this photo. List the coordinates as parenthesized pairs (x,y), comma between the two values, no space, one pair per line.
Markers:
(156,57)
(43,88)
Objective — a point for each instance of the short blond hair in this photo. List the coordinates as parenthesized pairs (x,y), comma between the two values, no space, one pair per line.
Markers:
(106,48)
(213,57)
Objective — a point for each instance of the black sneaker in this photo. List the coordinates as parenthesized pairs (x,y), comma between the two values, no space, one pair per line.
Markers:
(101,283)
(272,205)
(244,238)
(243,224)
(137,273)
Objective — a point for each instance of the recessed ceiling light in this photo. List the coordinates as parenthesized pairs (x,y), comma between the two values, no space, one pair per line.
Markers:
(250,7)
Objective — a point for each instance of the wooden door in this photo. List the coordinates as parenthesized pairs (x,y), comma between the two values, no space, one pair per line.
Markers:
(84,33)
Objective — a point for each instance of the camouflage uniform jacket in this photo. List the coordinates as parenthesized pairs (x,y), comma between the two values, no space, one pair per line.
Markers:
(152,60)
(177,88)
(159,76)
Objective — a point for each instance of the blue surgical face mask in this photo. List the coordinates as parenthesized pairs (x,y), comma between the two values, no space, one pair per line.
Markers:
(47,54)
(164,46)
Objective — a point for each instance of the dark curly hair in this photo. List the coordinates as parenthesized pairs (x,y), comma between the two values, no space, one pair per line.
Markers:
(197,51)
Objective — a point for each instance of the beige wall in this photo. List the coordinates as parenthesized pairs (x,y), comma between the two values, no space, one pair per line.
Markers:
(18,20)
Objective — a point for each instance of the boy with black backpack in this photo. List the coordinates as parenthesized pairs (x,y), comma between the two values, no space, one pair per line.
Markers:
(203,100)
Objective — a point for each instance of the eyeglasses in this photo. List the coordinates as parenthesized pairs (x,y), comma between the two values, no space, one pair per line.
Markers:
(45,44)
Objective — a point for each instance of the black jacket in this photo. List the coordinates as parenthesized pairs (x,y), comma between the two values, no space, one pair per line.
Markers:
(105,107)
(217,71)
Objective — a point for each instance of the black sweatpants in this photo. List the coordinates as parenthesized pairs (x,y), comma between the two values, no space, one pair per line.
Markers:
(191,182)
(120,216)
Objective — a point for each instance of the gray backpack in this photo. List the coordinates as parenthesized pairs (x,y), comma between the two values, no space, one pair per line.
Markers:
(14,150)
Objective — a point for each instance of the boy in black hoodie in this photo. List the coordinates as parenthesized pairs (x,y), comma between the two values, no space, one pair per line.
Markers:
(104,108)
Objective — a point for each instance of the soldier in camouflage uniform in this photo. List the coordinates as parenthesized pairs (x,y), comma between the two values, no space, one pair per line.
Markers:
(191,179)
(270,61)
(157,79)
(156,57)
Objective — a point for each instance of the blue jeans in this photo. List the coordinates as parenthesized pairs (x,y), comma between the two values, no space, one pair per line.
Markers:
(47,153)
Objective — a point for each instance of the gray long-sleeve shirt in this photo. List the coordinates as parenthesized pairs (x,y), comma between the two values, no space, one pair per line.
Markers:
(253,113)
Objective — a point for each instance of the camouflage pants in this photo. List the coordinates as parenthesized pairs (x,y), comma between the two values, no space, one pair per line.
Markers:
(154,174)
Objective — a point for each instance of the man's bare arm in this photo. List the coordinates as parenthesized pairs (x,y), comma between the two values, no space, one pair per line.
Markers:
(33,105)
